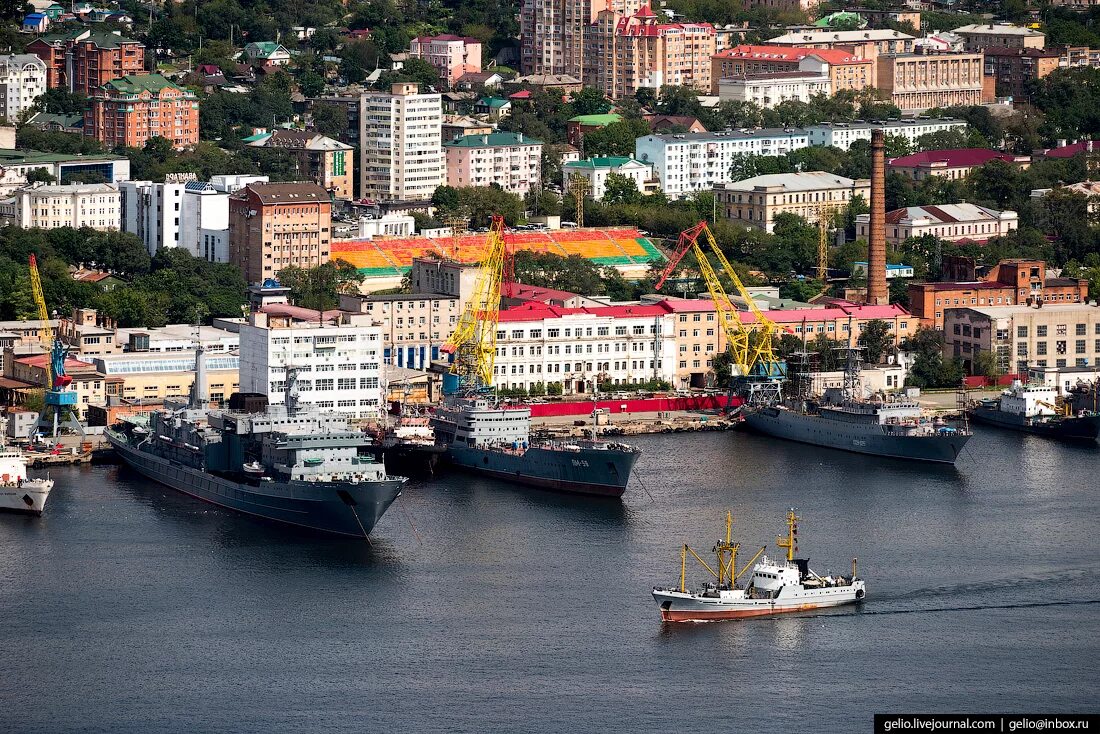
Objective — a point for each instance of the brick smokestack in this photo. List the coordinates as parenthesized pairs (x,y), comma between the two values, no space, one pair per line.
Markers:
(877,292)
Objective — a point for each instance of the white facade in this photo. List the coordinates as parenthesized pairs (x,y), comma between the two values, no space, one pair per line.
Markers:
(596,170)
(401,144)
(581,350)
(75,205)
(340,364)
(152,211)
(843,134)
(951,222)
(22,80)
(684,163)
(388,225)
(769,90)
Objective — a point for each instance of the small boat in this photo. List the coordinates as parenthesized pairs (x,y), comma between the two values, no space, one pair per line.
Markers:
(17,492)
(315,461)
(775,586)
(253,467)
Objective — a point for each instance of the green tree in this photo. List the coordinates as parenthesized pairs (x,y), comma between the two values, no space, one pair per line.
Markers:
(930,368)
(40,175)
(620,189)
(589,101)
(876,340)
(320,287)
(330,119)
(616,139)
(311,84)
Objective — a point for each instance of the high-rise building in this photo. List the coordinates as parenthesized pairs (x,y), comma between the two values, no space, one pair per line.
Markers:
(84,60)
(130,110)
(22,80)
(553,33)
(628,52)
(922,81)
(275,225)
(402,147)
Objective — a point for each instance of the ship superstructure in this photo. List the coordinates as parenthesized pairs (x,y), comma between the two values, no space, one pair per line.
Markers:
(18,492)
(1036,409)
(288,463)
(774,587)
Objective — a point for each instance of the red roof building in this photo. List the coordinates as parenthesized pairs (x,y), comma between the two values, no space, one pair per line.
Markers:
(953,162)
(846,69)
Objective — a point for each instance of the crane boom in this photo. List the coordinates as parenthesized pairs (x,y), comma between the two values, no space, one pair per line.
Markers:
(45,331)
(474,340)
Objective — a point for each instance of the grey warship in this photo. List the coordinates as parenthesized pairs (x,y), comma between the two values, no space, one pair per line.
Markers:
(291,463)
(842,418)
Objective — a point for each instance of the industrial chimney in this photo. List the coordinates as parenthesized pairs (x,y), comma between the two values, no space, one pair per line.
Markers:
(877,293)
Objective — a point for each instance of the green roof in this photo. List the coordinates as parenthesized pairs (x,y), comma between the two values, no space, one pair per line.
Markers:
(600,162)
(841,16)
(256,137)
(100,37)
(138,83)
(266,48)
(596,120)
(492,140)
(494,102)
(18,157)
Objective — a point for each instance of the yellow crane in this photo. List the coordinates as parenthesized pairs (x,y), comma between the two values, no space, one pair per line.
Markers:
(45,331)
(58,399)
(474,340)
(751,355)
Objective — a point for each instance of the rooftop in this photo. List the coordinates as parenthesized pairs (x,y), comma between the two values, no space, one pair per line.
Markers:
(281,193)
(863,36)
(760,132)
(997,29)
(945,213)
(295,140)
(779,75)
(73,189)
(1003,311)
(600,120)
(1034,53)
(138,83)
(30,157)
(491,140)
(806,181)
(886,124)
(602,162)
(953,157)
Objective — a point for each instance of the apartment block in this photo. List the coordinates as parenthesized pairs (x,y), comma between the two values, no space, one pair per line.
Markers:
(73,205)
(629,52)
(554,34)
(452,56)
(757,201)
(275,225)
(865,44)
(684,163)
(22,81)
(961,222)
(414,326)
(84,60)
(510,160)
(982,36)
(772,89)
(916,82)
(1014,69)
(843,134)
(130,110)
(846,70)
(321,159)
(596,170)
(401,144)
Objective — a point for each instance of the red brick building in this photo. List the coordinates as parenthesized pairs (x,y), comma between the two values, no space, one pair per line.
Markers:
(84,60)
(131,110)
(1010,283)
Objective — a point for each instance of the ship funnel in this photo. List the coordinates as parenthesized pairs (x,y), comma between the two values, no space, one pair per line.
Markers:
(198,389)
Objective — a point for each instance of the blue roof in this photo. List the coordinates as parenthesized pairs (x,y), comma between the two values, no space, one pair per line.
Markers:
(889,266)
(34,16)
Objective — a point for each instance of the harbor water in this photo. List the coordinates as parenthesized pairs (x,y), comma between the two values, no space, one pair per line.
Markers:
(479,606)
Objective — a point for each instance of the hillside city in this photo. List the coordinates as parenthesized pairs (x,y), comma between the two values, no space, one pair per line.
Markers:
(237,174)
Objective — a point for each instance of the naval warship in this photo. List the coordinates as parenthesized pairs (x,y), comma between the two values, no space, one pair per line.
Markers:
(842,418)
(1034,409)
(288,463)
(484,436)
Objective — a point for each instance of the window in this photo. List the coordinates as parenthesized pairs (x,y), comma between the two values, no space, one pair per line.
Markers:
(1060,347)
(621,331)
(639,331)
(324,384)
(553,333)
(1041,330)
(1060,330)
(346,383)
(1082,329)
(1079,347)
(1041,348)
(1021,350)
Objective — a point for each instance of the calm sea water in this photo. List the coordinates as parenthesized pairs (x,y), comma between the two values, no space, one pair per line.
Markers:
(131,608)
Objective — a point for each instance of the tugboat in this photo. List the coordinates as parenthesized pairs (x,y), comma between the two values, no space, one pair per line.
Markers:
(1034,409)
(17,492)
(775,587)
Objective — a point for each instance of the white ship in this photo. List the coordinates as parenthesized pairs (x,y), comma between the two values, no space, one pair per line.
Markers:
(17,492)
(775,587)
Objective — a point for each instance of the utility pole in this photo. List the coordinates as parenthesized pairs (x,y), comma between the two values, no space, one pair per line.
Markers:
(578,186)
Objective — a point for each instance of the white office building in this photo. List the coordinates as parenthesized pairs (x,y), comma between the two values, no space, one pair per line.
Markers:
(684,163)
(582,348)
(22,80)
(843,134)
(771,89)
(70,205)
(401,144)
(338,356)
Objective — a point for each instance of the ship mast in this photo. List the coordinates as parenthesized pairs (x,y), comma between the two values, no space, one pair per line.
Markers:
(722,548)
(791,541)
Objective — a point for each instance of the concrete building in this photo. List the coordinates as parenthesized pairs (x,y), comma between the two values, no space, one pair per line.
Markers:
(845,69)
(1021,337)
(338,355)
(414,326)
(73,205)
(961,222)
(83,60)
(953,163)
(596,171)
(32,371)
(22,81)
(275,225)
(577,127)
(982,36)
(629,52)
(582,348)
(321,159)
(152,376)
(772,89)
(859,267)
(916,82)
(756,201)
(509,160)
(1016,69)
(16,164)
(1011,283)
(554,34)
(684,163)
(388,225)
(698,337)
(864,44)
(401,147)
(843,134)
(452,56)
(130,110)
(843,323)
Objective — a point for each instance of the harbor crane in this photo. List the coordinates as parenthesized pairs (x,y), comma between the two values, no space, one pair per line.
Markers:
(473,343)
(753,354)
(58,398)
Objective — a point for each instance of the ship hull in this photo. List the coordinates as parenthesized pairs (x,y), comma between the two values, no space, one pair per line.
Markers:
(1084,428)
(854,437)
(599,472)
(682,607)
(29,499)
(341,508)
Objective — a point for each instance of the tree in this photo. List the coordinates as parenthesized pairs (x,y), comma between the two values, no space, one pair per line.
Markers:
(589,101)
(40,175)
(930,369)
(311,84)
(445,198)
(419,71)
(330,119)
(616,139)
(60,101)
(620,189)
(876,340)
(320,287)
